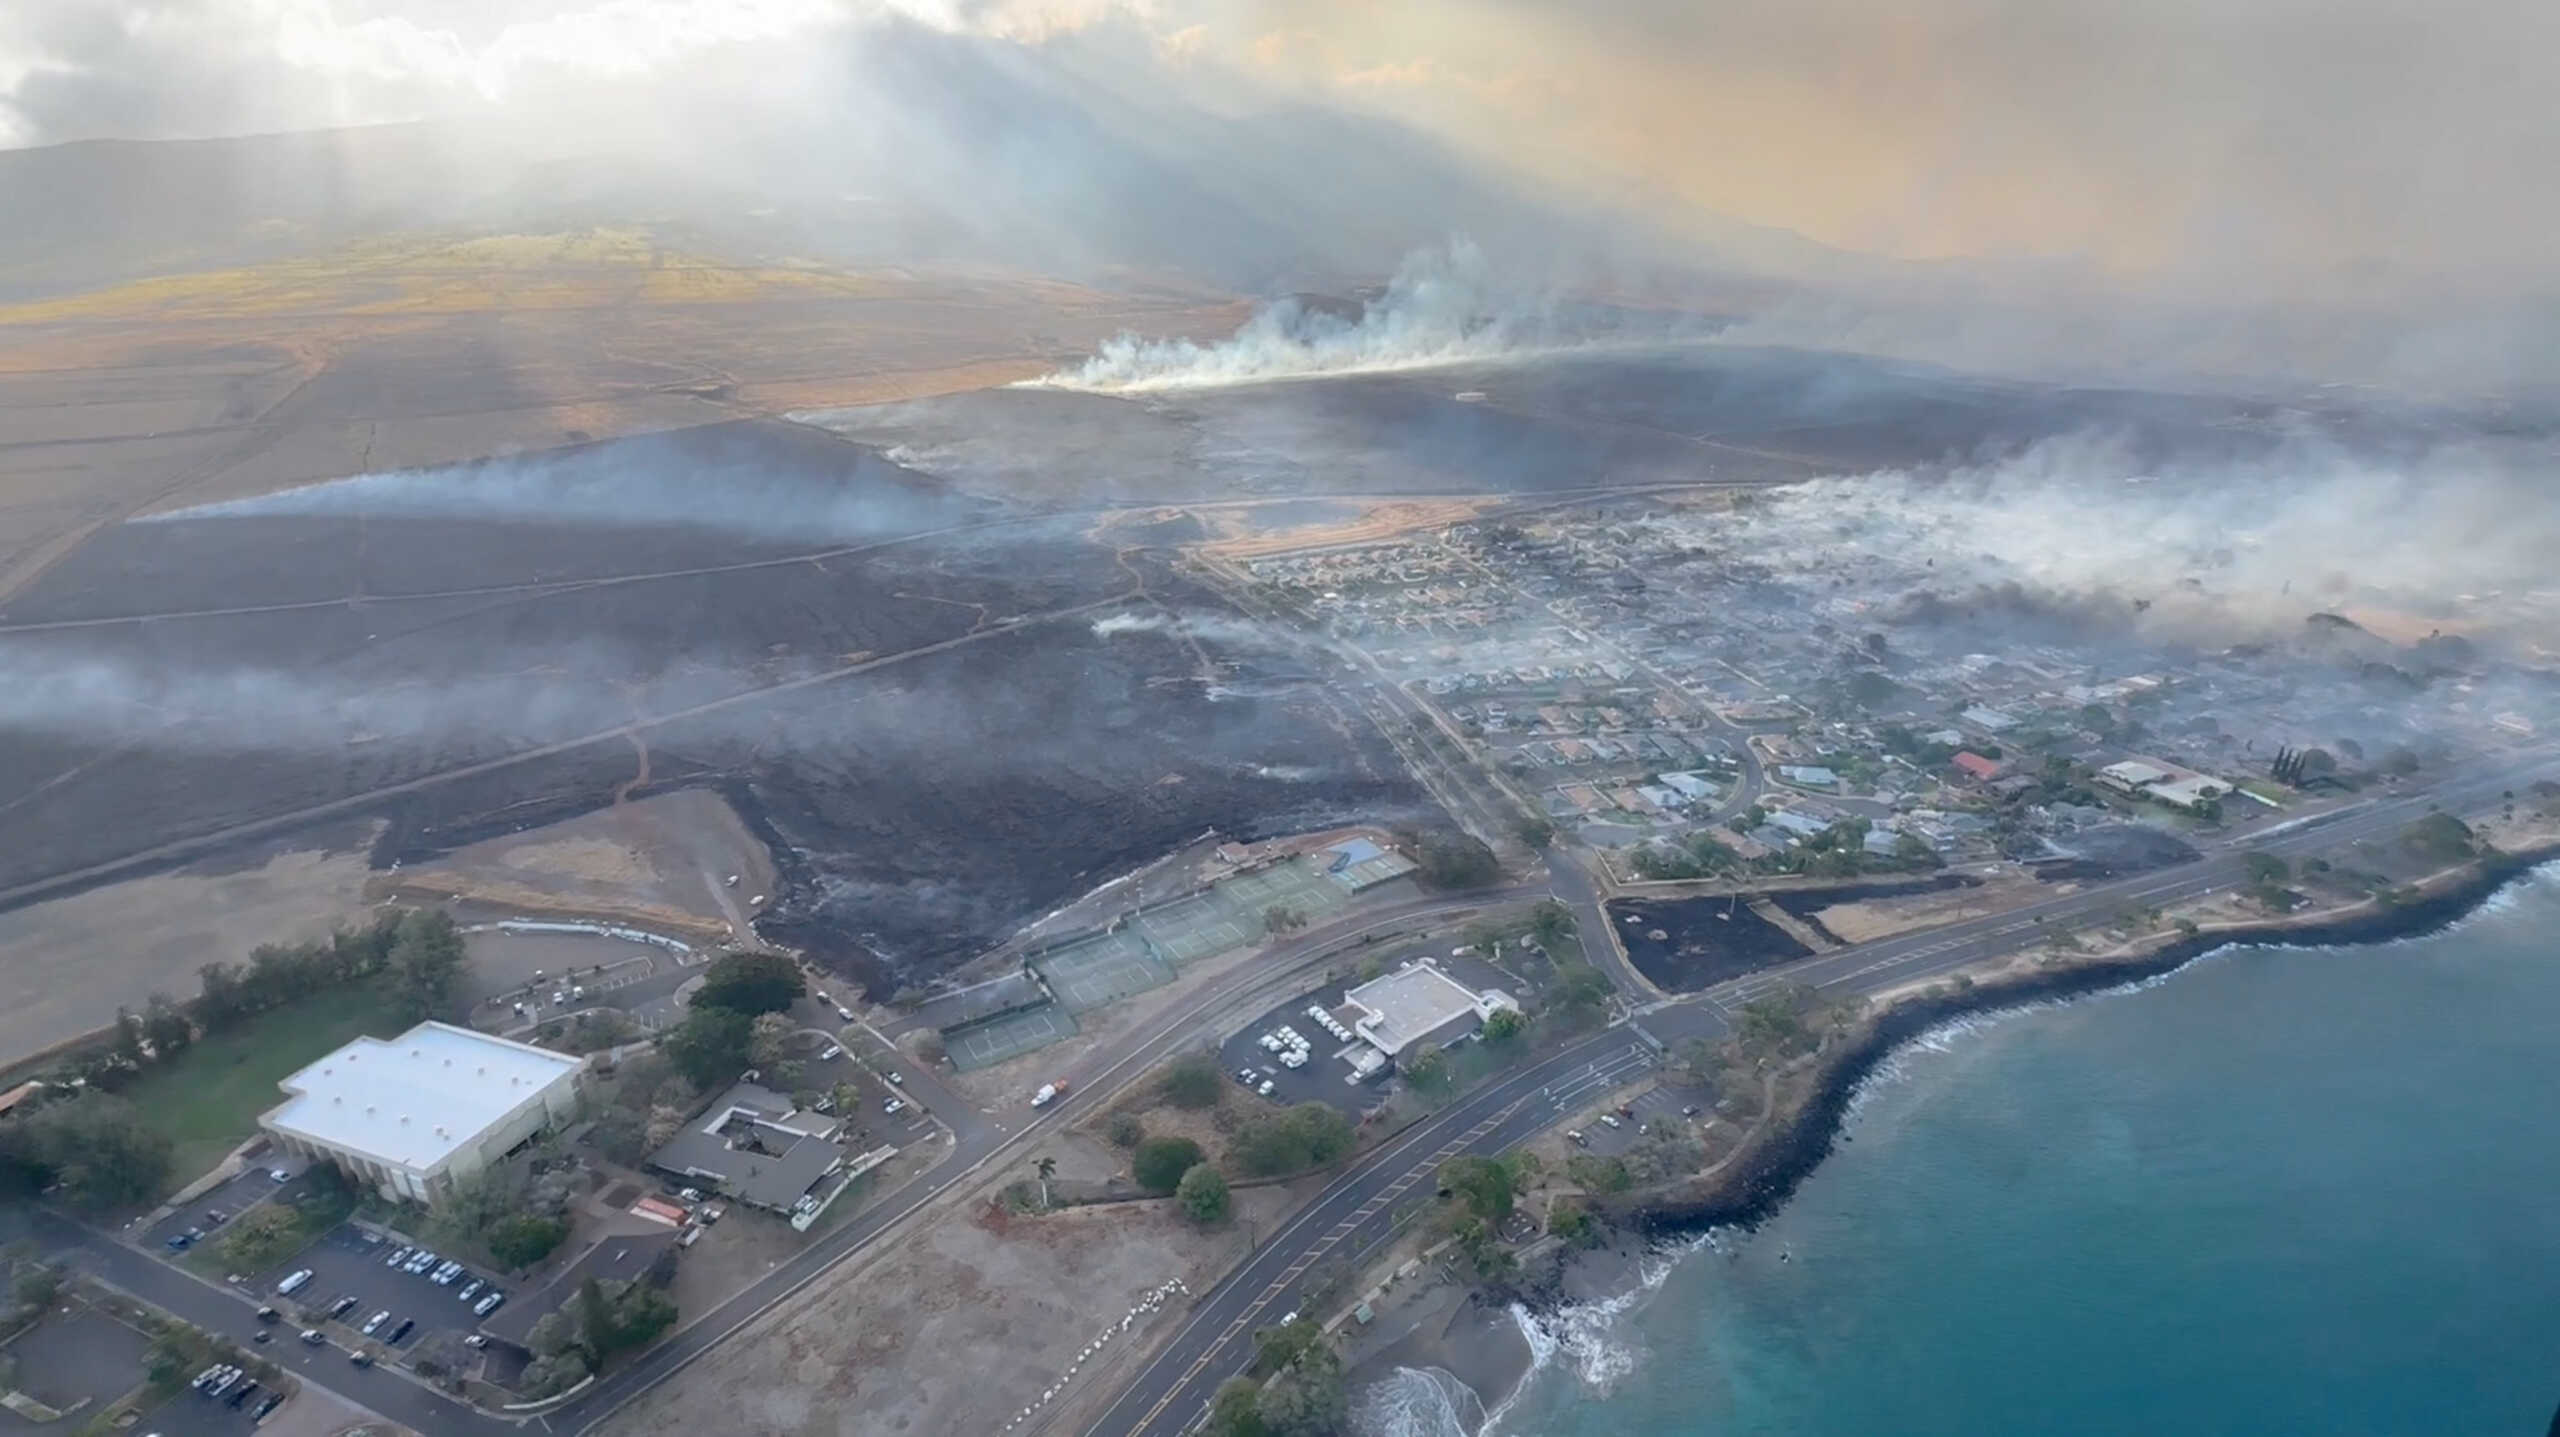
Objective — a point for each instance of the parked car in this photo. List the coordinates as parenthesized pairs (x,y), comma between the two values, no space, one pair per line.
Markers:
(832,1053)
(311,1338)
(374,1323)
(398,1256)
(1611,1120)
(471,1289)
(899,1105)
(488,1304)
(476,1340)
(1575,1136)
(407,1325)
(181,1243)
(343,1306)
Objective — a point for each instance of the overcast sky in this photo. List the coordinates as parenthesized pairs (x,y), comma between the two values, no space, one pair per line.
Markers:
(2308,147)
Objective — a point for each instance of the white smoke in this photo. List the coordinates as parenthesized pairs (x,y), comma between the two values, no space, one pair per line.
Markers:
(262,710)
(1443,306)
(2221,544)
(624,486)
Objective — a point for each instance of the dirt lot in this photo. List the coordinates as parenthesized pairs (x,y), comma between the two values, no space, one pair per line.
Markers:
(66,965)
(903,1344)
(662,861)
(1870,919)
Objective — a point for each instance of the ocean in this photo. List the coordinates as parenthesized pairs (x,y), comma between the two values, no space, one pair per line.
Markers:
(2280,1191)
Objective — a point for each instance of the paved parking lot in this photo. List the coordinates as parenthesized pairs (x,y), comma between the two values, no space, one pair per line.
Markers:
(83,1356)
(1658,1102)
(231,1199)
(866,1124)
(192,1413)
(1322,1079)
(345,1264)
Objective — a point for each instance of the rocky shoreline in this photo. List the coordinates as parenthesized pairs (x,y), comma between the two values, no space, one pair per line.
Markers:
(1476,1342)
(1765,1175)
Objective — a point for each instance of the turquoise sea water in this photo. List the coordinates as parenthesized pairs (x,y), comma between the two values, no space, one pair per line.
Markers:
(2282,1191)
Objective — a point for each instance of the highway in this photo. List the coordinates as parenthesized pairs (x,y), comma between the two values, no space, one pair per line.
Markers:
(1357,1209)
(1168,1396)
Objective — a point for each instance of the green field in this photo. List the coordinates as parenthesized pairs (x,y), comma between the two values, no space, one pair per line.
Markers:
(208,1099)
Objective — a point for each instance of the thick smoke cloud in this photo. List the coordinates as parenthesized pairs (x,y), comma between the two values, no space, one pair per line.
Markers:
(2083,535)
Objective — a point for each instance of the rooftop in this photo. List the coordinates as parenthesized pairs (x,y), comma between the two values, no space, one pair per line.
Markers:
(1412,1003)
(752,1143)
(417,1098)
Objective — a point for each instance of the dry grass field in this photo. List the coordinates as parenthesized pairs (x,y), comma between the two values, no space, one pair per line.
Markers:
(425,350)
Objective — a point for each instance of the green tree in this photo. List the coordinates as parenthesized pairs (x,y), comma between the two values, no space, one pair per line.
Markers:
(96,1149)
(2265,868)
(1535,832)
(621,1135)
(523,1239)
(769,1038)
(710,1046)
(1280,918)
(1307,1398)
(1504,1027)
(1573,1223)
(36,1285)
(1280,1346)
(2439,836)
(426,960)
(1193,1081)
(1427,1069)
(166,1027)
(1124,1130)
(1203,1194)
(1551,923)
(1482,1185)
(751,983)
(1597,1174)
(1044,1168)
(553,1333)
(1307,1135)
(1450,859)
(1231,1411)
(1159,1163)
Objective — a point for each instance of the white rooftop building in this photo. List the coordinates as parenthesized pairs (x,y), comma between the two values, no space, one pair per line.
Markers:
(1418,1003)
(420,1112)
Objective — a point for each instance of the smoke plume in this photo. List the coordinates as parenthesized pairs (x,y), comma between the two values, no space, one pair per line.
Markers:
(1443,306)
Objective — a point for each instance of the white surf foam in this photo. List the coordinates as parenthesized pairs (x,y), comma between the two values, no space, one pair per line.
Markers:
(1590,1341)
(1417,1402)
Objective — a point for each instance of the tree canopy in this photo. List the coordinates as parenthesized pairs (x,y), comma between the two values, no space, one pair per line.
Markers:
(752,983)
(1159,1163)
(1303,1136)
(1203,1194)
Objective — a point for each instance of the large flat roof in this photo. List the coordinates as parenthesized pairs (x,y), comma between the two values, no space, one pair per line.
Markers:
(1412,1003)
(413,1100)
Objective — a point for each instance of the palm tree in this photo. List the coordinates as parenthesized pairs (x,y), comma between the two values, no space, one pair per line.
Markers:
(1047,1168)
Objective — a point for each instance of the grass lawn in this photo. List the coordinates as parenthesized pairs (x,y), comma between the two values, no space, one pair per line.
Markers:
(209,1098)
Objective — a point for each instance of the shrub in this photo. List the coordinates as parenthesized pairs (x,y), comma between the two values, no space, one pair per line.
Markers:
(1304,1136)
(1160,1163)
(1192,1081)
(1124,1130)
(526,1238)
(1203,1194)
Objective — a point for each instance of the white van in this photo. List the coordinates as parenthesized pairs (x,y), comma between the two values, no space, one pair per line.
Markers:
(294,1281)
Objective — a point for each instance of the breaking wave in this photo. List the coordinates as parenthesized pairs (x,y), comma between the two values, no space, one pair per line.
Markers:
(1417,1402)
(1589,1340)
(1442,307)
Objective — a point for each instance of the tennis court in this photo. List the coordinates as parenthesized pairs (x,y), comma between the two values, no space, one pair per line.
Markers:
(1293,885)
(1193,928)
(1104,968)
(1010,1035)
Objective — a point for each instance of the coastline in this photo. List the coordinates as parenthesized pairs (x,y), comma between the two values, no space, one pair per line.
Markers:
(1767,1173)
